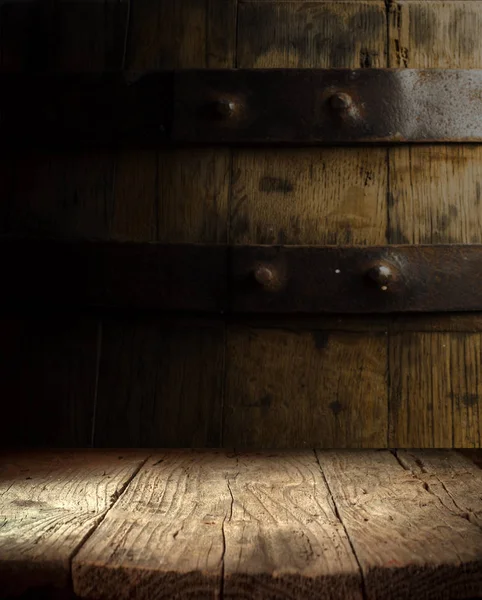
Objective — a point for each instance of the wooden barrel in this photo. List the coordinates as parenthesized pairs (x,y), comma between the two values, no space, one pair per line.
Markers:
(112,378)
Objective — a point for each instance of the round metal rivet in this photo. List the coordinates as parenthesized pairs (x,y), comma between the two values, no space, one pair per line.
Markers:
(225,107)
(382,275)
(264,275)
(341,101)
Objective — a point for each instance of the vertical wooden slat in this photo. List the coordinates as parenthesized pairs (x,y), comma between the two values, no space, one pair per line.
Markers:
(175,196)
(305,389)
(284,388)
(434,198)
(180,196)
(420,400)
(159,384)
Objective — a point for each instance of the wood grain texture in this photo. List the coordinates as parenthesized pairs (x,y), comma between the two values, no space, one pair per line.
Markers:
(160,384)
(283,538)
(180,195)
(49,503)
(434,198)
(306,197)
(408,544)
(188,34)
(168,381)
(262,523)
(194,189)
(334,196)
(435,194)
(421,396)
(292,389)
(435,190)
(435,34)
(164,537)
(208,524)
(48,366)
(453,478)
(296,389)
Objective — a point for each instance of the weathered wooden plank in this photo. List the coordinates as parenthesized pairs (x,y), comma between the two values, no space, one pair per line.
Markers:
(297,389)
(275,383)
(434,198)
(173,34)
(435,390)
(160,384)
(456,480)
(50,502)
(283,538)
(194,188)
(209,524)
(437,34)
(310,196)
(180,195)
(164,536)
(408,544)
(434,194)
(169,381)
(304,196)
(420,401)
(48,365)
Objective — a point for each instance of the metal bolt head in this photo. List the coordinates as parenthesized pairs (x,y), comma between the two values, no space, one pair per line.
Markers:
(225,107)
(265,275)
(341,101)
(382,275)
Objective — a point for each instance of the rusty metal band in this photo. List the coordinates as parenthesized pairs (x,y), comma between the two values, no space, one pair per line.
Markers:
(246,106)
(242,279)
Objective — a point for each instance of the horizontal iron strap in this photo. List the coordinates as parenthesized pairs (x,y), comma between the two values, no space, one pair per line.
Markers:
(243,279)
(246,106)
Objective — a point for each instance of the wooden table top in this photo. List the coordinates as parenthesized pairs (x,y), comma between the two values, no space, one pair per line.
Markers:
(144,524)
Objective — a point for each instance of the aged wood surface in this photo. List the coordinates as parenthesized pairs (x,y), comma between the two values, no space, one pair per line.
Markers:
(307,197)
(50,502)
(181,195)
(171,380)
(435,390)
(264,525)
(408,543)
(434,195)
(164,537)
(283,537)
(453,478)
(317,388)
(207,524)
(160,383)
(285,389)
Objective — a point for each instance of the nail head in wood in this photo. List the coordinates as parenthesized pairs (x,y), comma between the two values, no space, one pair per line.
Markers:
(341,101)
(225,107)
(265,275)
(381,275)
